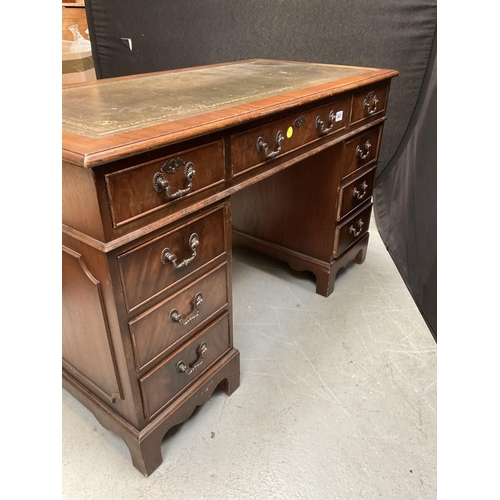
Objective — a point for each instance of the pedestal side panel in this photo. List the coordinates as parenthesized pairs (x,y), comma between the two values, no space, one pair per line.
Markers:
(86,345)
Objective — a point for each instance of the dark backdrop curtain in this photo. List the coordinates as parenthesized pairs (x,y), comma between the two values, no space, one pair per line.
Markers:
(405,202)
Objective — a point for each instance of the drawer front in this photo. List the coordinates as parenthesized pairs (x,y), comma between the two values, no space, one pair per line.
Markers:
(261,144)
(150,268)
(355,193)
(163,383)
(369,104)
(146,188)
(351,230)
(361,150)
(170,321)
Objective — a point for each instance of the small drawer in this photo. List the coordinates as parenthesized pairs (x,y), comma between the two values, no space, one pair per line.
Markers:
(170,321)
(350,231)
(137,191)
(148,269)
(361,150)
(369,104)
(261,144)
(167,380)
(355,193)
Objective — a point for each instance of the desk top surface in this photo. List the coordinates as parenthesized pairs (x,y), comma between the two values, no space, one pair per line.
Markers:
(160,108)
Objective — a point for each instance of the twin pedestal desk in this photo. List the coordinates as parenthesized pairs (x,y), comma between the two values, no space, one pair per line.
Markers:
(161,174)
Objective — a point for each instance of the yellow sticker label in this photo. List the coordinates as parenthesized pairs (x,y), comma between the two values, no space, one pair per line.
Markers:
(289,132)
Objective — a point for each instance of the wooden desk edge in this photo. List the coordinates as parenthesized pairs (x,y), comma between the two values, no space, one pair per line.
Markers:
(200,125)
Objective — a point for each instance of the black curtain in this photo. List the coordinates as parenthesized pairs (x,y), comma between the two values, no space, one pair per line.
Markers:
(405,202)
(131,37)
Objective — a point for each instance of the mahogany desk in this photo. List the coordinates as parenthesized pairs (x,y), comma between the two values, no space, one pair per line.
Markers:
(161,173)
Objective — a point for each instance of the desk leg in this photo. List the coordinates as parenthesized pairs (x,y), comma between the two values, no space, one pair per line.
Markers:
(145,445)
(325,280)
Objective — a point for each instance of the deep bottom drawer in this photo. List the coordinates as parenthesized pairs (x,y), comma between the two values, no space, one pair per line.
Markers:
(351,230)
(160,385)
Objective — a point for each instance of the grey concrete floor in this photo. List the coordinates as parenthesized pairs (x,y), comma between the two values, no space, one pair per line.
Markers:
(337,400)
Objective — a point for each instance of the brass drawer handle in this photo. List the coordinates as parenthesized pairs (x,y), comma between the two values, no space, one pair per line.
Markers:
(370,103)
(170,167)
(167,256)
(363,153)
(320,124)
(175,317)
(263,147)
(183,368)
(356,193)
(353,231)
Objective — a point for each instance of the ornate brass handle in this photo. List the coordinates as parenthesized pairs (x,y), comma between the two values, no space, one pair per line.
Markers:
(320,124)
(263,147)
(353,231)
(183,368)
(363,152)
(170,167)
(370,103)
(175,317)
(167,256)
(356,193)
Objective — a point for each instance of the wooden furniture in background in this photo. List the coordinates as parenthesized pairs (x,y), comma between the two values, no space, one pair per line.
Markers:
(153,167)
(77,60)
(73,13)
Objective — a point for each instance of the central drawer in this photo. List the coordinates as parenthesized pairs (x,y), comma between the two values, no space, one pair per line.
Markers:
(148,269)
(166,381)
(169,322)
(258,145)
